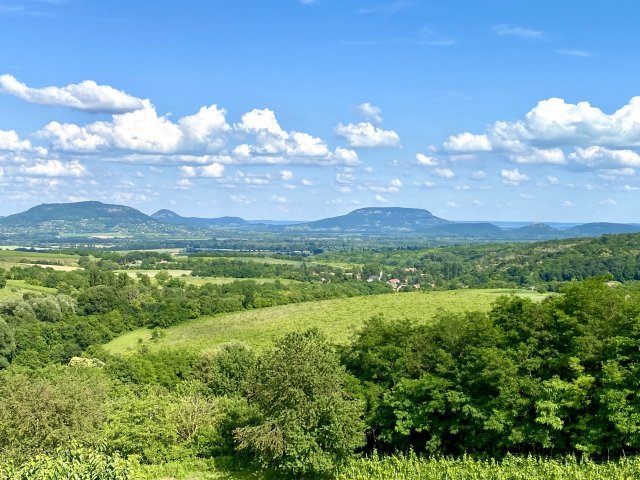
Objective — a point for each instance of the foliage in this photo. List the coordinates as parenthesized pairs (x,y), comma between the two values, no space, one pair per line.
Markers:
(556,377)
(412,467)
(309,423)
(41,410)
(69,462)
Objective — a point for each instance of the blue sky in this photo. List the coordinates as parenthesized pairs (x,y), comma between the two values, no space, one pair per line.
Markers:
(293,109)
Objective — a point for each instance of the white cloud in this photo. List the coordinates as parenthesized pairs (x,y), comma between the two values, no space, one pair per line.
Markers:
(513,177)
(478,175)
(556,132)
(444,172)
(55,168)
(396,183)
(370,112)
(87,96)
(286,175)
(468,142)
(425,184)
(568,203)
(380,199)
(364,134)
(505,29)
(279,199)
(184,184)
(553,156)
(188,171)
(10,141)
(602,157)
(608,202)
(553,180)
(426,160)
(215,170)
(452,205)
(271,139)
(346,156)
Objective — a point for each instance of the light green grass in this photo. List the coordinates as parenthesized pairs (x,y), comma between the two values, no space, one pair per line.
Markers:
(16,288)
(339,319)
(13,258)
(188,278)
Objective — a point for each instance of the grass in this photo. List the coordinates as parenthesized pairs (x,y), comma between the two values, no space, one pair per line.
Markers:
(12,258)
(16,288)
(188,278)
(338,318)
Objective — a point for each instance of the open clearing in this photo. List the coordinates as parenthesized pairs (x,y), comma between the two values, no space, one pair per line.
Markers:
(186,276)
(338,318)
(58,261)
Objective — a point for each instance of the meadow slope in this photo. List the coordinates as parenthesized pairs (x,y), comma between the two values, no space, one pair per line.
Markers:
(338,318)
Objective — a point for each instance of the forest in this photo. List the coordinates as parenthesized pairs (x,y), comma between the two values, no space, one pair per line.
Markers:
(515,388)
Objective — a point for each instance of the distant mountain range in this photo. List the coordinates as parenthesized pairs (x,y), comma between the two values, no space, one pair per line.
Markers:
(167,216)
(86,218)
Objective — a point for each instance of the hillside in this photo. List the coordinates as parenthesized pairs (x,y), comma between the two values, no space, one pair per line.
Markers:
(473,229)
(168,216)
(376,220)
(80,217)
(339,319)
(601,228)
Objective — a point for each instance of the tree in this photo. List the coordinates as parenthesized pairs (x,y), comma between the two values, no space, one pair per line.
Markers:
(309,423)
(7,344)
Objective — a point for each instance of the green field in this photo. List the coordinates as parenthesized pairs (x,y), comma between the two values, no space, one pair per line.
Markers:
(12,258)
(16,288)
(188,278)
(339,319)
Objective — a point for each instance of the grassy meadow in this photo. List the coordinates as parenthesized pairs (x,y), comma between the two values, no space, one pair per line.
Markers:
(338,318)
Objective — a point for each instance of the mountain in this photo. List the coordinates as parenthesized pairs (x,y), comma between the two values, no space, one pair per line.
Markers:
(167,216)
(536,231)
(468,229)
(376,220)
(79,217)
(601,228)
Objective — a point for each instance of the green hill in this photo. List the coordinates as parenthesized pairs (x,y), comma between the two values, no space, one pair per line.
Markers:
(376,220)
(82,217)
(339,319)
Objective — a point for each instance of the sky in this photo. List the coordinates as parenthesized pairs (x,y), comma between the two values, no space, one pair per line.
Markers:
(304,109)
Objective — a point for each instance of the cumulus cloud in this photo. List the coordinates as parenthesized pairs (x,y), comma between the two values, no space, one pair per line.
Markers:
(370,112)
(215,170)
(513,177)
(10,141)
(365,134)
(286,175)
(426,160)
(346,156)
(142,131)
(271,139)
(87,96)
(604,157)
(444,172)
(55,168)
(380,199)
(468,142)
(556,132)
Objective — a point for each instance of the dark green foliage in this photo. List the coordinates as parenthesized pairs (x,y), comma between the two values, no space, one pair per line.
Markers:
(308,421)
(227,371)
(557,377)
(7,344)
